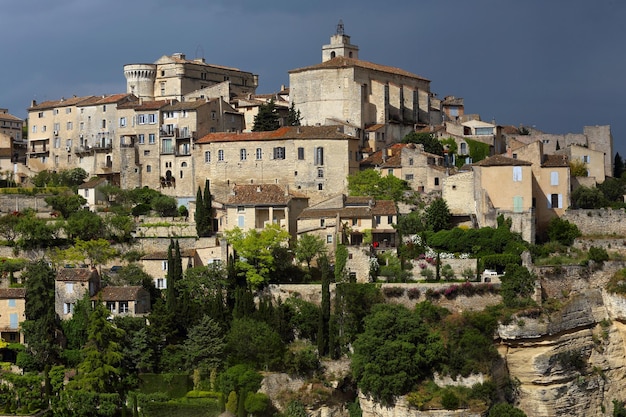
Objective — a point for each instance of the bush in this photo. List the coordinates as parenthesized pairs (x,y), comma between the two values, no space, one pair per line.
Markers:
(413,293)
(598,255)
(447,272)
(560,230)
(449,400)
(428,274)
(141,209)
(393,292)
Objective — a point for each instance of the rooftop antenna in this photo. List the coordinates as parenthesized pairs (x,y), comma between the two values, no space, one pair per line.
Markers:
(340,27)
(199,48)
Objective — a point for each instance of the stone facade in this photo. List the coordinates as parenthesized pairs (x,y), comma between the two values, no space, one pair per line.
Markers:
(12,308)
(71,285)
(599,222)
(458,191)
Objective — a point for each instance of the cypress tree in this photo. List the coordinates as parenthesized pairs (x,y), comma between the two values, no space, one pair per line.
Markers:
(618,166)
(323,331)
(172,295)
(200,215)
(208,210)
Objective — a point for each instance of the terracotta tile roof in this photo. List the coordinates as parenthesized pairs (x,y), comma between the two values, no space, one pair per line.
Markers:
(501,160)
(12,293)
(8,116)
(110,99)
(374,128)
(283,133)
(354,207)
(260,194)
(510,130)
(344,62)
(555,161)
(64,102)
(126,293)
(162,255)
(186,105)
(92,183)
(76,274)
(144,105)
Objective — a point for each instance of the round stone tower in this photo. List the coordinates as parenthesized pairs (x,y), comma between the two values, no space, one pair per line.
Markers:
(140,80)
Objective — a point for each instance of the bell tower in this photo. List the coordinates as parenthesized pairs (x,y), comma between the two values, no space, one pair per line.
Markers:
(339,46)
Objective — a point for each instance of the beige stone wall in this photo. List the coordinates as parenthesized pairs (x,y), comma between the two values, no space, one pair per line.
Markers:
(458,191)
(598,222)
(300,175)
(6,311)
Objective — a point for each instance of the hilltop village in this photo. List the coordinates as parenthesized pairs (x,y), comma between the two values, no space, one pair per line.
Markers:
(211,228)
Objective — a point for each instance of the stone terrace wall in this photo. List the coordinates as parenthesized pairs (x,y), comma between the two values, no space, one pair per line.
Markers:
(599,221)
(17,202)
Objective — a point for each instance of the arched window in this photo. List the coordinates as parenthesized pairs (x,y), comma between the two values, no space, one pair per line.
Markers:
(332,54)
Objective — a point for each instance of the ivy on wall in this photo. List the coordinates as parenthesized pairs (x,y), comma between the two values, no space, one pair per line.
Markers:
(478,150)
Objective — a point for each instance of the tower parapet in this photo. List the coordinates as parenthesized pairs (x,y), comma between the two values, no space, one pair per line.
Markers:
(140,80)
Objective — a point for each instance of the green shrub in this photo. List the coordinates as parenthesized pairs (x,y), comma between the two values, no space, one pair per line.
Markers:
(449,400)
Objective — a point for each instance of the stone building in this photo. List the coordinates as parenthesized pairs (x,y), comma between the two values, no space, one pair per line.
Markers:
(593,160)
(344,89)
(156,265)
(174,76)
(71,285)
(253,206)
(347,220)
(131,301)
(314,160)
(12,314)
(504,186)
(423,171)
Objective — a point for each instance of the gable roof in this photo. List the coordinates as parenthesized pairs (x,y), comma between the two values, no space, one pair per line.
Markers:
(283,133)
(63,102)
(92,183)
(12,293)
(144,105)
(345,62)
(76,274)
(555,161)
(352,207)
(261,194)
(125,293)
(501,160)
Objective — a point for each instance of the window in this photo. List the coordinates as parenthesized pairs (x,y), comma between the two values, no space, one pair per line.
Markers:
(142,138)
(213,115)
(148,168)
(122,121)
(319,156)
(322,222)
(279,152)
(220,155)
(259,153)
(517,174)
(104,124)
(12,302)
(111,306)
(377,220)
(160,283)
(320,173)
(43,128)
(518,204)
(241,221)
(389,219)
(69,287)
(463,148)
(410,161)
(141,119)
(320,186)
(123,306)
(69,126)
(390,171)
(329,238)
(164,265)
(13,320)
(554,178)
(241,209)
(436,181)
(104,107)
(555,201)
(68,308)
(86,192)
(40,114)
(146,152)
(300,153)
(207,157)
(151,138)
(355,222)
(34,129)
(586,159)
(243,155)
(152,118)
(162,88)
(408,177)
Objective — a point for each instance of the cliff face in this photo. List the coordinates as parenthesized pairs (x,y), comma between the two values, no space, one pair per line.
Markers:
(571,363)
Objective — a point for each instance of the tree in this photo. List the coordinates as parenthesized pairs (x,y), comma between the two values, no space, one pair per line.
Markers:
(238,379)
(267,118)
(323,336)
(8,224)
(85,225)
(255,343)
(204,347)
(200,215)
(119,227)
(41,322)
(293,117)
(99,370)
(65,204)
(33,232)
(618,166)
(518,285)
(165,206)
(431,144)
(613,189)
(308,247)
(372,184)
(96,252)
(395,352)
(588,198)
(562,231)
(437,215)
(578,168)
(255,251)
(505,410)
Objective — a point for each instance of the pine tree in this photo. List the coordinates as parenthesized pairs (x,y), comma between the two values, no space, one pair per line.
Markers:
(618,166)
(267,118)
(293,118)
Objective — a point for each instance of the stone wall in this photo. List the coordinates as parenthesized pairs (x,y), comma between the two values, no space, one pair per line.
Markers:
(17,202)
(598,222)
